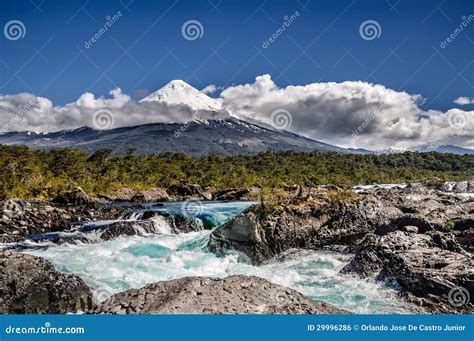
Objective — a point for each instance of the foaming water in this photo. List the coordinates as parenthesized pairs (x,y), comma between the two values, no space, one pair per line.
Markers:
(128,262)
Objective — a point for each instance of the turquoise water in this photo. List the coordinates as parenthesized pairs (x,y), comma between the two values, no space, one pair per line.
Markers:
(131,262)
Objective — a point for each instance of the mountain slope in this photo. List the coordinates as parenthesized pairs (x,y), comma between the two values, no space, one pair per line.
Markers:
(180,92)
(446,148)
(196,138)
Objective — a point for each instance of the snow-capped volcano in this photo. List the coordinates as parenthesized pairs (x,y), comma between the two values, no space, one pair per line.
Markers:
(180,92)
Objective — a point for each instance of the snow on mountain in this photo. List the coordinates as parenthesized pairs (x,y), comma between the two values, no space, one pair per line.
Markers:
(180,92)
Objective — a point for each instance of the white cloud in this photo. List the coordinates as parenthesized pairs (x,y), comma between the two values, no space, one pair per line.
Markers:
(211,88)
(464,100)
(351,114)
(25,111)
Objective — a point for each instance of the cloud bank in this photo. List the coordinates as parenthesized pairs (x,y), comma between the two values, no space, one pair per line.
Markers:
(348,114)
(351,114)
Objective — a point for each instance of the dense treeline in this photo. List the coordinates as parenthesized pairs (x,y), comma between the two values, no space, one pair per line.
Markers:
(26,173)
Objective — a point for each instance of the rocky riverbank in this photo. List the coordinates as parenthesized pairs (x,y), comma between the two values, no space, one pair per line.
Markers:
(419,237)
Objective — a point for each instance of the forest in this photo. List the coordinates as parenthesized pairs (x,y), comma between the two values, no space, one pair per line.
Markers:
(27,173)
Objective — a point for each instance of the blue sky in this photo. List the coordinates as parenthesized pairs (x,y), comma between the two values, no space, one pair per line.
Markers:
(145,48)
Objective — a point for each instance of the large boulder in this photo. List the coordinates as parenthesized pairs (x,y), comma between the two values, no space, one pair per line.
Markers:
(264,232)
(152,223)
(426,266)
(204,295)
(76,197)
(231,194)
(31,285)
(316,220)
(184,191)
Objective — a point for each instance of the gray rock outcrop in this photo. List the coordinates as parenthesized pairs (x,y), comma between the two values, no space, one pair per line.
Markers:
(204,295)
(31,285)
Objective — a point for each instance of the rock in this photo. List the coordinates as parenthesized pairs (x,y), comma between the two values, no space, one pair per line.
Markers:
(123,194)
(19,217)
(460,187)
(150,223)
(204,295)
(415,185)
(428,266)
(463,229)
(30,285)
(130,228)
(76,197)
(470,186)
(230,194)
(410,229)
(184,224)
(264,232)
(155,194)
(11,238)
(188,192)
(24,218)
(317,220)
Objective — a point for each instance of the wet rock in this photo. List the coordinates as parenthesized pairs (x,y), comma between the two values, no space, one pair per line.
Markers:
(428,266)
(264,231)
(30,285)
(76,197)
(151,223)
(130,228)
(204,295)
